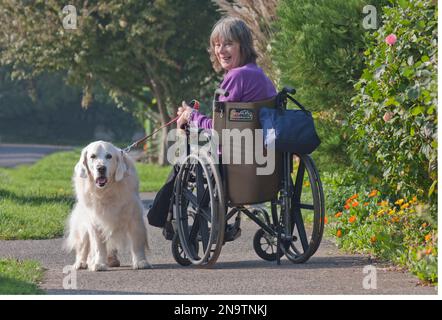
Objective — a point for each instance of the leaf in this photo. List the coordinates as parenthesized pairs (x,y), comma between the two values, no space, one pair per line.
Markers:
(425,59)
(403,4)
(432,188)
(430,110)
(391,101)
(412,132)
(408,72)
(417,110)
(413,93)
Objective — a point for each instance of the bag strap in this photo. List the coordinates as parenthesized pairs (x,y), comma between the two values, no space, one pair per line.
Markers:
(281,100)
(297,103)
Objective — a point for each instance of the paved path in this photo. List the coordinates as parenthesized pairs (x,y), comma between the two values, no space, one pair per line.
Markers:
(12,155)
(238,271)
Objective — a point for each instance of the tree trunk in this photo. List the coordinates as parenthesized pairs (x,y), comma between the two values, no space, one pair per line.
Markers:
(164,118)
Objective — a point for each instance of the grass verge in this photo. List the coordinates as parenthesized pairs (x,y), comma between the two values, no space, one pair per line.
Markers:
(20,277)
(35,200)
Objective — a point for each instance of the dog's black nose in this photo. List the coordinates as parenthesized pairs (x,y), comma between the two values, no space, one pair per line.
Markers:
(101,170)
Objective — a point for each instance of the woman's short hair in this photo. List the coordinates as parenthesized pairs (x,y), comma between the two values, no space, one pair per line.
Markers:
(232,29)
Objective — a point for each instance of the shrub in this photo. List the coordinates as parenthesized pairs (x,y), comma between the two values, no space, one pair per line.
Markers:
(318,47)
(394,118)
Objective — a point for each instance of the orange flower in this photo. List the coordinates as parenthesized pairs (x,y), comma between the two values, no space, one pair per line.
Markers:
(352,219)
(346,207)
(353,196)
(325,220)
(383,203)
(366,204)
(373,193)
(373,239)
(339,233)
(338,214)
(424,225)
(395,219)
(428,237)
(428,251)
(355,204)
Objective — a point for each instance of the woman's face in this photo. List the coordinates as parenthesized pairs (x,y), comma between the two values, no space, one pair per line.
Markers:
(228,54)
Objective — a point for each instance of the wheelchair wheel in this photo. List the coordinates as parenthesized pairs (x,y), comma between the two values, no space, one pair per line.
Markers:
(307,210)
(178,253)
(177,250)
(200,210)
(265,245)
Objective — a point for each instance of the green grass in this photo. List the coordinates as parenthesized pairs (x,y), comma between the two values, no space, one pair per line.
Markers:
(36,200)
(20,277)
(152,177)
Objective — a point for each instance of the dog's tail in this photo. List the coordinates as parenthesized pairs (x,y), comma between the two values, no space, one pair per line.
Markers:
(74,231)
(69,241)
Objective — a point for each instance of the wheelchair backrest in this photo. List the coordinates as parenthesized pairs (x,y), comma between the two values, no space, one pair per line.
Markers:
(241,182)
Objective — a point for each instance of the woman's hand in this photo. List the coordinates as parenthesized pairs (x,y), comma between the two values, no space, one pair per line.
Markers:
(184,113)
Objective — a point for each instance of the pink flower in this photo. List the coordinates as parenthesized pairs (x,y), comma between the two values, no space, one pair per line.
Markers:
(391,39)
(387,116)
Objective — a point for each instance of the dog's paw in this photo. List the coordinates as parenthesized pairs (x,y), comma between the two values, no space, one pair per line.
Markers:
(98,267)
(143,264)
(80,265)
(113,262)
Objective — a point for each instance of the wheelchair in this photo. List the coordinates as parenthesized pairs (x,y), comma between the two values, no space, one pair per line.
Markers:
(208,195)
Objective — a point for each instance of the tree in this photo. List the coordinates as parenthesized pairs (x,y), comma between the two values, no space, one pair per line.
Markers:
(152,52)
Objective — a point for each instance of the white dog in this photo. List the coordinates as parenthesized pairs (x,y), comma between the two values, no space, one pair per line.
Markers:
(108,213)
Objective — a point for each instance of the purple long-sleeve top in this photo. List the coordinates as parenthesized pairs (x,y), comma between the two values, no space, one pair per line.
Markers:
(244,84)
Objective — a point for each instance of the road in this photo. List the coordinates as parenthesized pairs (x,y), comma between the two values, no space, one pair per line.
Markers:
(12,155)
(238,271)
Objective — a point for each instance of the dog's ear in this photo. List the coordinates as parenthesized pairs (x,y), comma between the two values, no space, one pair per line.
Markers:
(121,165)
(81,168)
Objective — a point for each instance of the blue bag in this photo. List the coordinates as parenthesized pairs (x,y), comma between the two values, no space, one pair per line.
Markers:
(290,130)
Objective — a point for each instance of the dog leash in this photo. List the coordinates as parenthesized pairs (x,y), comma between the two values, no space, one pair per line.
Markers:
(194,104)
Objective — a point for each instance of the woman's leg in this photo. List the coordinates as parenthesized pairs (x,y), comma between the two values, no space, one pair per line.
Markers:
(157,215)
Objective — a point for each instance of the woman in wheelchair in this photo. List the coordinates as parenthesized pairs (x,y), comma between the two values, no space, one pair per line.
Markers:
(231,51)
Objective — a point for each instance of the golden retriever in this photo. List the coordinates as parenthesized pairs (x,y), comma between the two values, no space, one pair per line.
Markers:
(108,213)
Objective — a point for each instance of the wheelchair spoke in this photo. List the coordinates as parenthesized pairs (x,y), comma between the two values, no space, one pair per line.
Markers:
(205,198)
(190,197)
(199,184)
(298,184)
(205,214)
(193,236)
(298,205)
(204,231)
(299,222)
